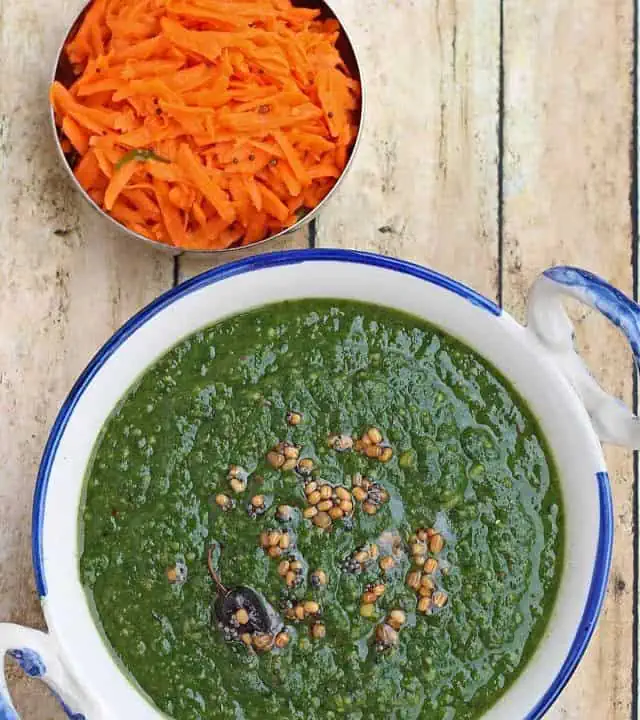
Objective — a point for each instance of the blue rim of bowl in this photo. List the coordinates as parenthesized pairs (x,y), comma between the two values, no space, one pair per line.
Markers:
(595,600)
(602,565)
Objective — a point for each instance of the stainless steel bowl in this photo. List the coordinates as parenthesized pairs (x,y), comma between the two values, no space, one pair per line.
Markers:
(63,73)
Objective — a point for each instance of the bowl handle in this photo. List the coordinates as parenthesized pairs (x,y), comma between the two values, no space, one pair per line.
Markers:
(612,420)
(37,654)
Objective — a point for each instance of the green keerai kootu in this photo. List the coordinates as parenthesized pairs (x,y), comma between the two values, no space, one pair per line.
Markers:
(322,509)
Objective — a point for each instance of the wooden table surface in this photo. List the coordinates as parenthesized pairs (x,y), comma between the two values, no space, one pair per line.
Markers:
(500,139)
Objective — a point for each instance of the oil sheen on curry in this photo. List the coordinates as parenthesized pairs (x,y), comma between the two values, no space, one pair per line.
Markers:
(322,509)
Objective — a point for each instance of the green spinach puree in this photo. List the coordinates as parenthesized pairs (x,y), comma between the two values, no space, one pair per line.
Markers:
(423,599)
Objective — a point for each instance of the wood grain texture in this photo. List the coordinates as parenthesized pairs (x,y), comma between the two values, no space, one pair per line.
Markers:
(424,183)
(568,124)
(190,265)
(66,283)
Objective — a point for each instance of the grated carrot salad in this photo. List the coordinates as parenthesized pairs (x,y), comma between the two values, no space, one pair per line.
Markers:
(206,124)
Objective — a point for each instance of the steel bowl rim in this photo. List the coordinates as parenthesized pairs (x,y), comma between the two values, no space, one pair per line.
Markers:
(232,251)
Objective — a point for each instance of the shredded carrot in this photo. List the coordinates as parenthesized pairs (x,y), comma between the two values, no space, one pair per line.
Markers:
(87,171)
(206,124)
(170,214)
(141,201)
(76,135)
(272,203)
(119,181)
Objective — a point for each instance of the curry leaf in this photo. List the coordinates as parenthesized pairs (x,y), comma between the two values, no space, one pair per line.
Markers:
(141,155)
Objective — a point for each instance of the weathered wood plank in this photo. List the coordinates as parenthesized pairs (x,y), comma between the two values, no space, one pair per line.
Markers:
(66,284)
(568,96)
(424,184)
(193,265)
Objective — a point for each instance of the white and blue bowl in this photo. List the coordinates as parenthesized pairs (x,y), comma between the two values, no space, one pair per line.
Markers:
(539,360)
